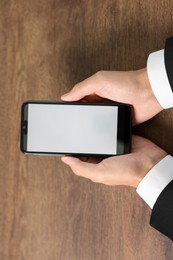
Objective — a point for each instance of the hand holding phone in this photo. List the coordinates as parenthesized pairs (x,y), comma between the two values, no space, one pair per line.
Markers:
(128,169)
(129,87)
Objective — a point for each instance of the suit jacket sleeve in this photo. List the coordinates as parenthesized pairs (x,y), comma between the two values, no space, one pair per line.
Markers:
(168,55)
(156,189)
(162,213)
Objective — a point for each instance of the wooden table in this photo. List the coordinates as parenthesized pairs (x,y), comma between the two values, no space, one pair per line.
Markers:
(47,213)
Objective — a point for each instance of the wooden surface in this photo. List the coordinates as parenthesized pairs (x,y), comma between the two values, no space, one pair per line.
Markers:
(47,213)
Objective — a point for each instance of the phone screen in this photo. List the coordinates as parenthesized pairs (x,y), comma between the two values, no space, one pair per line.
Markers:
(57,128)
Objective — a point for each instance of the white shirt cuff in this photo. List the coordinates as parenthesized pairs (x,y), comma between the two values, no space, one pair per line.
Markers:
(156,180)
(159,80)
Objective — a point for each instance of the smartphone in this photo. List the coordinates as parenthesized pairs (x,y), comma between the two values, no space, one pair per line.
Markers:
(75,128)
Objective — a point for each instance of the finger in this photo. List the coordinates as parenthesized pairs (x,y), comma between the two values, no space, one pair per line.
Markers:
(89,86)
(80,168)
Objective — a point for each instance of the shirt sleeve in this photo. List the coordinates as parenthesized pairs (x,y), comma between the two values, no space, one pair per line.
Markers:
(156,180)
(158,78)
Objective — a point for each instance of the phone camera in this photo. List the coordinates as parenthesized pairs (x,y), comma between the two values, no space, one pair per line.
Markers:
(24,127)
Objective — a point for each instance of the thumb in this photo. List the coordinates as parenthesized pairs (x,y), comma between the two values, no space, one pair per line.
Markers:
(87,87)
(69,160)
(80,168)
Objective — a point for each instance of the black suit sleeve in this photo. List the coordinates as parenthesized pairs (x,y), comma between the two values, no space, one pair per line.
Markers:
(162,213)
(168,57)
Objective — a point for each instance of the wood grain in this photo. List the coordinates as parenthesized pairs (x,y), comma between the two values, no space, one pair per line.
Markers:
(46,212)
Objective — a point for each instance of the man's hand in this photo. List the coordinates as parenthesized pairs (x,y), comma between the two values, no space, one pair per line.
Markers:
(130,87)
(128,169)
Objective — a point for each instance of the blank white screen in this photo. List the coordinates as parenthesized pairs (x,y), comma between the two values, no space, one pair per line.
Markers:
(72,129)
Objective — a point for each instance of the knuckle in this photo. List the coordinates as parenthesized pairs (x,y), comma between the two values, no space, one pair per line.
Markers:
(100,75)
(75,170)
(76,86)
(99,177)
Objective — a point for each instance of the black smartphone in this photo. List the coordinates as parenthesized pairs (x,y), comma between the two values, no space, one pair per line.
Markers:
(75,128)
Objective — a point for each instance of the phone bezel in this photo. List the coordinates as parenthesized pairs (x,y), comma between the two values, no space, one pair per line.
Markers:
(123,132)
